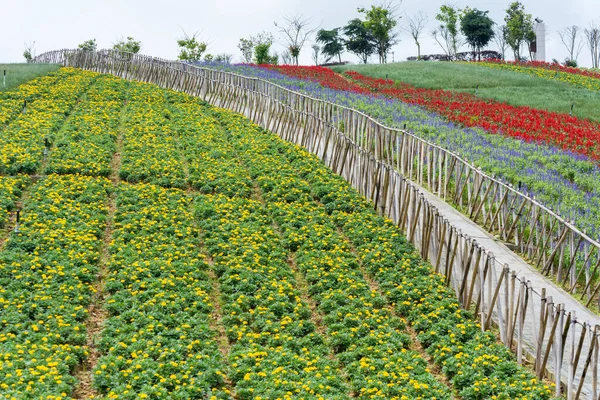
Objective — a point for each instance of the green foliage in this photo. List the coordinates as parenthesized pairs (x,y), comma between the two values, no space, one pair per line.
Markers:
(262,56)
(190,49)
(381,21)
(88,45)
(519,27)
(333,44)
(449,18)
(360,40)
(477,28)
(570,63)
(130,45)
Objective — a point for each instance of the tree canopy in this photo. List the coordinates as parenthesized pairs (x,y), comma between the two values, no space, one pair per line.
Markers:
(381,21)
(333,44)
(477,28)
(519,27)
(359,39)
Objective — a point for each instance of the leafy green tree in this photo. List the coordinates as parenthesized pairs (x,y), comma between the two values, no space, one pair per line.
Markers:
(262,56)
(333,44)
(449,28)
(360,40)
(519,27)
(477,28)
(381,21)
(190,49)
(247,45)
(130,45)
(88,45)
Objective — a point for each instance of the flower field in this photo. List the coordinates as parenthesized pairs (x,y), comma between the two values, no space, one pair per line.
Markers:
(567,182)
(229,263)
(575,76)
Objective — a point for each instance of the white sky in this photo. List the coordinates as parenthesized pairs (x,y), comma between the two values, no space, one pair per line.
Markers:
(55,24)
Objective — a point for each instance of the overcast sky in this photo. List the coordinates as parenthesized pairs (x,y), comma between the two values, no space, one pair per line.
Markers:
(66,23)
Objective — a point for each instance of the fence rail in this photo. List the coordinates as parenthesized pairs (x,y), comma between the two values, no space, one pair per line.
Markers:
(390,167)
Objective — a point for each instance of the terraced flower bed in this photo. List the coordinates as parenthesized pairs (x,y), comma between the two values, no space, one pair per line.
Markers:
(227,263)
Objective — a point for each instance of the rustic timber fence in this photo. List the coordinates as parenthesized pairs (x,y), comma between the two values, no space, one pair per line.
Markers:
(389,166)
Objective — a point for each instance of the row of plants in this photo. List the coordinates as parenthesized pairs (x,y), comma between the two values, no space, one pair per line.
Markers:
(47,272)
(585,81)
(587,72)
(150,144)
(157,342)
(86,142)
(568,183)
(275,349)
(11,189)
(310,204)
(368,339)
(212,165)
(22,142)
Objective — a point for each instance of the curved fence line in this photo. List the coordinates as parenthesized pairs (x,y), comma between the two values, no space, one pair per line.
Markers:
(389,166)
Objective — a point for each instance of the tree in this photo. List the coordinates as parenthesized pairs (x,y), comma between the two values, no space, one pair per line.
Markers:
(190,49)
(247,48)
(333,44)
(88,45)
(500,39)
(262,56)
(247,45)
(381,21)
(519,28)
(571,38)
(360,40)
(592,38)
(129,46)
(316,53)
(449,29)
(477,28)
(295,32)
(29,52)
(416,24)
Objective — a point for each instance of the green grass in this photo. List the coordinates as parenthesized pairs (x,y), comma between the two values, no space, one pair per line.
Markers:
(505,86)
(17,74)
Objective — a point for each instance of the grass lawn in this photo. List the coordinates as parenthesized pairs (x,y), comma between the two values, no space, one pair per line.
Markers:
(505,86)
(17,74)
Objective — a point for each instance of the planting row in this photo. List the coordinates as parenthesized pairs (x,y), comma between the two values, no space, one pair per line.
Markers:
(86,143)
(22,141)
(578,80)
(157,342)
(314,208)
(46,276)
(150,146)
(526,123)
(275,351)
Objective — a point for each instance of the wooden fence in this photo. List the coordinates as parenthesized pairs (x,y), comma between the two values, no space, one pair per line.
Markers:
(390,167)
